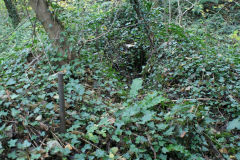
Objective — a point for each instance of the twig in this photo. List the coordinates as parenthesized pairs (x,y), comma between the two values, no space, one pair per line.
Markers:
(213,146)
(10,121)
(103,34)
(35,143)
(6,37)
(150,143)
(89,143)
(110,30)
(198,99)
(42,142)
(57,138)
(188,8)
(82,134)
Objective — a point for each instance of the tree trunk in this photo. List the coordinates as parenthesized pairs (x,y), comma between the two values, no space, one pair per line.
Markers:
(12,12)
(136,7)
(149,33)
(51,24)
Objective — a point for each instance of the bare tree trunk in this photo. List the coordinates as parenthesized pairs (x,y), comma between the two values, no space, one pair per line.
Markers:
(51,24)
(12,12)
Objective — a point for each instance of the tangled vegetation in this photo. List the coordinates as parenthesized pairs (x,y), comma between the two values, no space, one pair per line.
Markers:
(143,80)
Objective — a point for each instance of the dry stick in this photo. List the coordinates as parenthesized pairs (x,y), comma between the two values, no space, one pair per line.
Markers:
(54,135)
(90,143)
(150,143)
(61,102)
(189,8)
(10,121)
(26,128)
(82,134)
(213,145)
(42,142)
(198,99)
(32,138)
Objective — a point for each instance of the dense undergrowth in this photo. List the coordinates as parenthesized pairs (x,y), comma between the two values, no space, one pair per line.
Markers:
(186,106)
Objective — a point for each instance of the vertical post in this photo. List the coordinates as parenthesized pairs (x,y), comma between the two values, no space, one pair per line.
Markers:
(61,102)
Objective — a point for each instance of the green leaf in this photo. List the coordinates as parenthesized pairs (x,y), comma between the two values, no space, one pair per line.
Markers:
(65,151)
(26,144)
(35,156)
(99,153)
(179,148)
(12,142)
(1,148)
(11,81)
(80,89)
(86,147)
(152,100)
(115,138)
(79,156)
(14,112)
(114,150)
(2,113)
(147,117)
(169,131)
(234,124)
(161,126)
(12,155)
(165,150)
(14,96)
(135,87)
(141,139)
(237,155)
(93,138)
(49,106)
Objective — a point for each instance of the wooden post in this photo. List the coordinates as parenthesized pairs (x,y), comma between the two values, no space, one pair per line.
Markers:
(61,102)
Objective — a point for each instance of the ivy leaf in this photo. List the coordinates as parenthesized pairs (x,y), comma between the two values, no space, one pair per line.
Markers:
(86,147)
(14,112)
(234,124)
(26,144)
(114,150)
(169,132)
(237,155)
(14,96)
(79,156)
(80,89)
(162,126)
(135,87)
(12,143)
(115,138)
(93,138)
(1,148)
(99,153)
(2,113)
(35,156)
(49,106)
(11,81)
(12,155)
(141,139)
(165,150)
